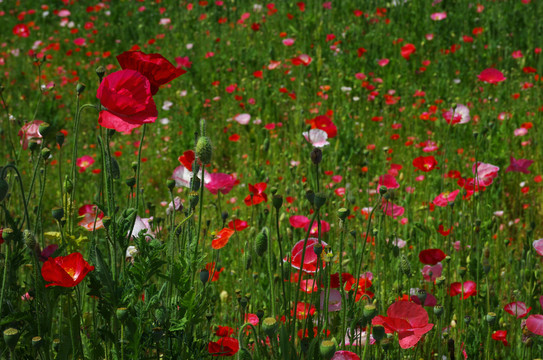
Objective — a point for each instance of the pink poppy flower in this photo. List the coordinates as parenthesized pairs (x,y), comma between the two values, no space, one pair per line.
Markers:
(389,181)
(432,272)
(438,16)
(242,119)
(485,173)
(302,59)
(519,165)
(517,309)
(446,198)
(538,246)
(349,355)
(391,209)
(220,182)
(89,217)
(126,95)
(334,300)
(407,319)
(316,137)
(310,258)
(534,323)
(288,42)
(458,115)
(383,62)
(491,76)
(30,131)
(520,132)
(84,162)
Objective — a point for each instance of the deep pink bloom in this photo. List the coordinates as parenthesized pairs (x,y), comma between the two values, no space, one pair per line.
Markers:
(469,287)
(310,258)
(491,76)
(220,182)
(389,181)
(347,355)
(534,323)
(517,309)
(431,273)
(391,209)
(519,165)
(484,173)
(126,95)
(407,319)
(84,162)
(21,30)
(445,198)
(154,67)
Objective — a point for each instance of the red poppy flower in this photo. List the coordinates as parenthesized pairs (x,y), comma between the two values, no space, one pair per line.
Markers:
(534,323)
(303,310)
(154,67)
(491,76)
(470,289)
(65,271)
(258,194)
(238,225)
(323,122)
(517,309)
(310,258)
(222,238)
(225,346)
(500,335)
(444,232)
(187,159)
(425,163)
(406,318)
(1,238)
(431,256)
(345,355)
(127,97)
(302,59)
(223,331)
(407,51)
(213,273)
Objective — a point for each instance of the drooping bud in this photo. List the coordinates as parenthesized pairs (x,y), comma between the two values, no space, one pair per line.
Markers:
(316,155)
(80,87)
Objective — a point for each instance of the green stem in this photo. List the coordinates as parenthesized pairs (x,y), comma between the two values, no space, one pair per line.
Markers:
(281,261)
(139,166)
(4,171)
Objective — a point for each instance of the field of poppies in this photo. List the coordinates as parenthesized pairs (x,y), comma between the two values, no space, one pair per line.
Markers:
(258,180)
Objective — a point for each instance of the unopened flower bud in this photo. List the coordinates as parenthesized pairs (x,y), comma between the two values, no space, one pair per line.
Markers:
(100,71)
(316,155)
(405,266)
(170,183)
(204,276)
(80,87)
(378,332)
(277,201)
(383,190)
(29,239)
(43,129)
(204,150)
(261,242)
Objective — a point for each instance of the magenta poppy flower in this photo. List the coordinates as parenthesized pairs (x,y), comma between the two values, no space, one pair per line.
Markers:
(126,95)
(310,258)
(432,272)
(431,256)
(90,220)
(534,323)
(407,319)
(220,182)
(348,355)
(469,288)
(491,76)
(517,309)
(438,16)
(84,162)
(389,181)
(30,131)
(155,67)
(391,209)
(519,165)
(445,198)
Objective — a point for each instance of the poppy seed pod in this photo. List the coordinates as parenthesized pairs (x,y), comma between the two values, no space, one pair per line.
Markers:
(204,276)
(421,294)
(59,137)
(100,72)
(378,332)
(438,311)
(327,349)
(316,155)
(383,190)
(370,311)
(320,199)
(80,88)
(58,213)
(45,153)
(193,199)
(37,342)
(343,213)
(170,184)
(269,326)
(8,234)
(490,318)
(277,201)
(204,150)
(11,337)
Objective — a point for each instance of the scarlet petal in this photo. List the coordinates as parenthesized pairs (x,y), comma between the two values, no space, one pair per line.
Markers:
(222,238)
(431,256)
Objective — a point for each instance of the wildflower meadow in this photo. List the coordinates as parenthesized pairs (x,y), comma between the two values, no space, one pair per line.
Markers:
(271,180)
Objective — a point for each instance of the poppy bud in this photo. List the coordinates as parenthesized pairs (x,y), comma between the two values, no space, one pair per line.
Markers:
(223,296)
(130,182)
(261,243)
(100,71)
(343,213)
(11,337)
(29,239)
(224,215)
(170,184)
(317,249)
(37,342)
(80,87)
(383,190)
(277,201)
(8,234)
(204,276)
(59,138)
(327,349)
(58,213)
(316,155)
(269,326)
(204,150)
(320,199)
(33,145)
(310,196)
(421,294)
(243,302)
(438,311)
(405,266)
(4,188)
(122,314)
(467,320)
(43,129)
(378,332)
